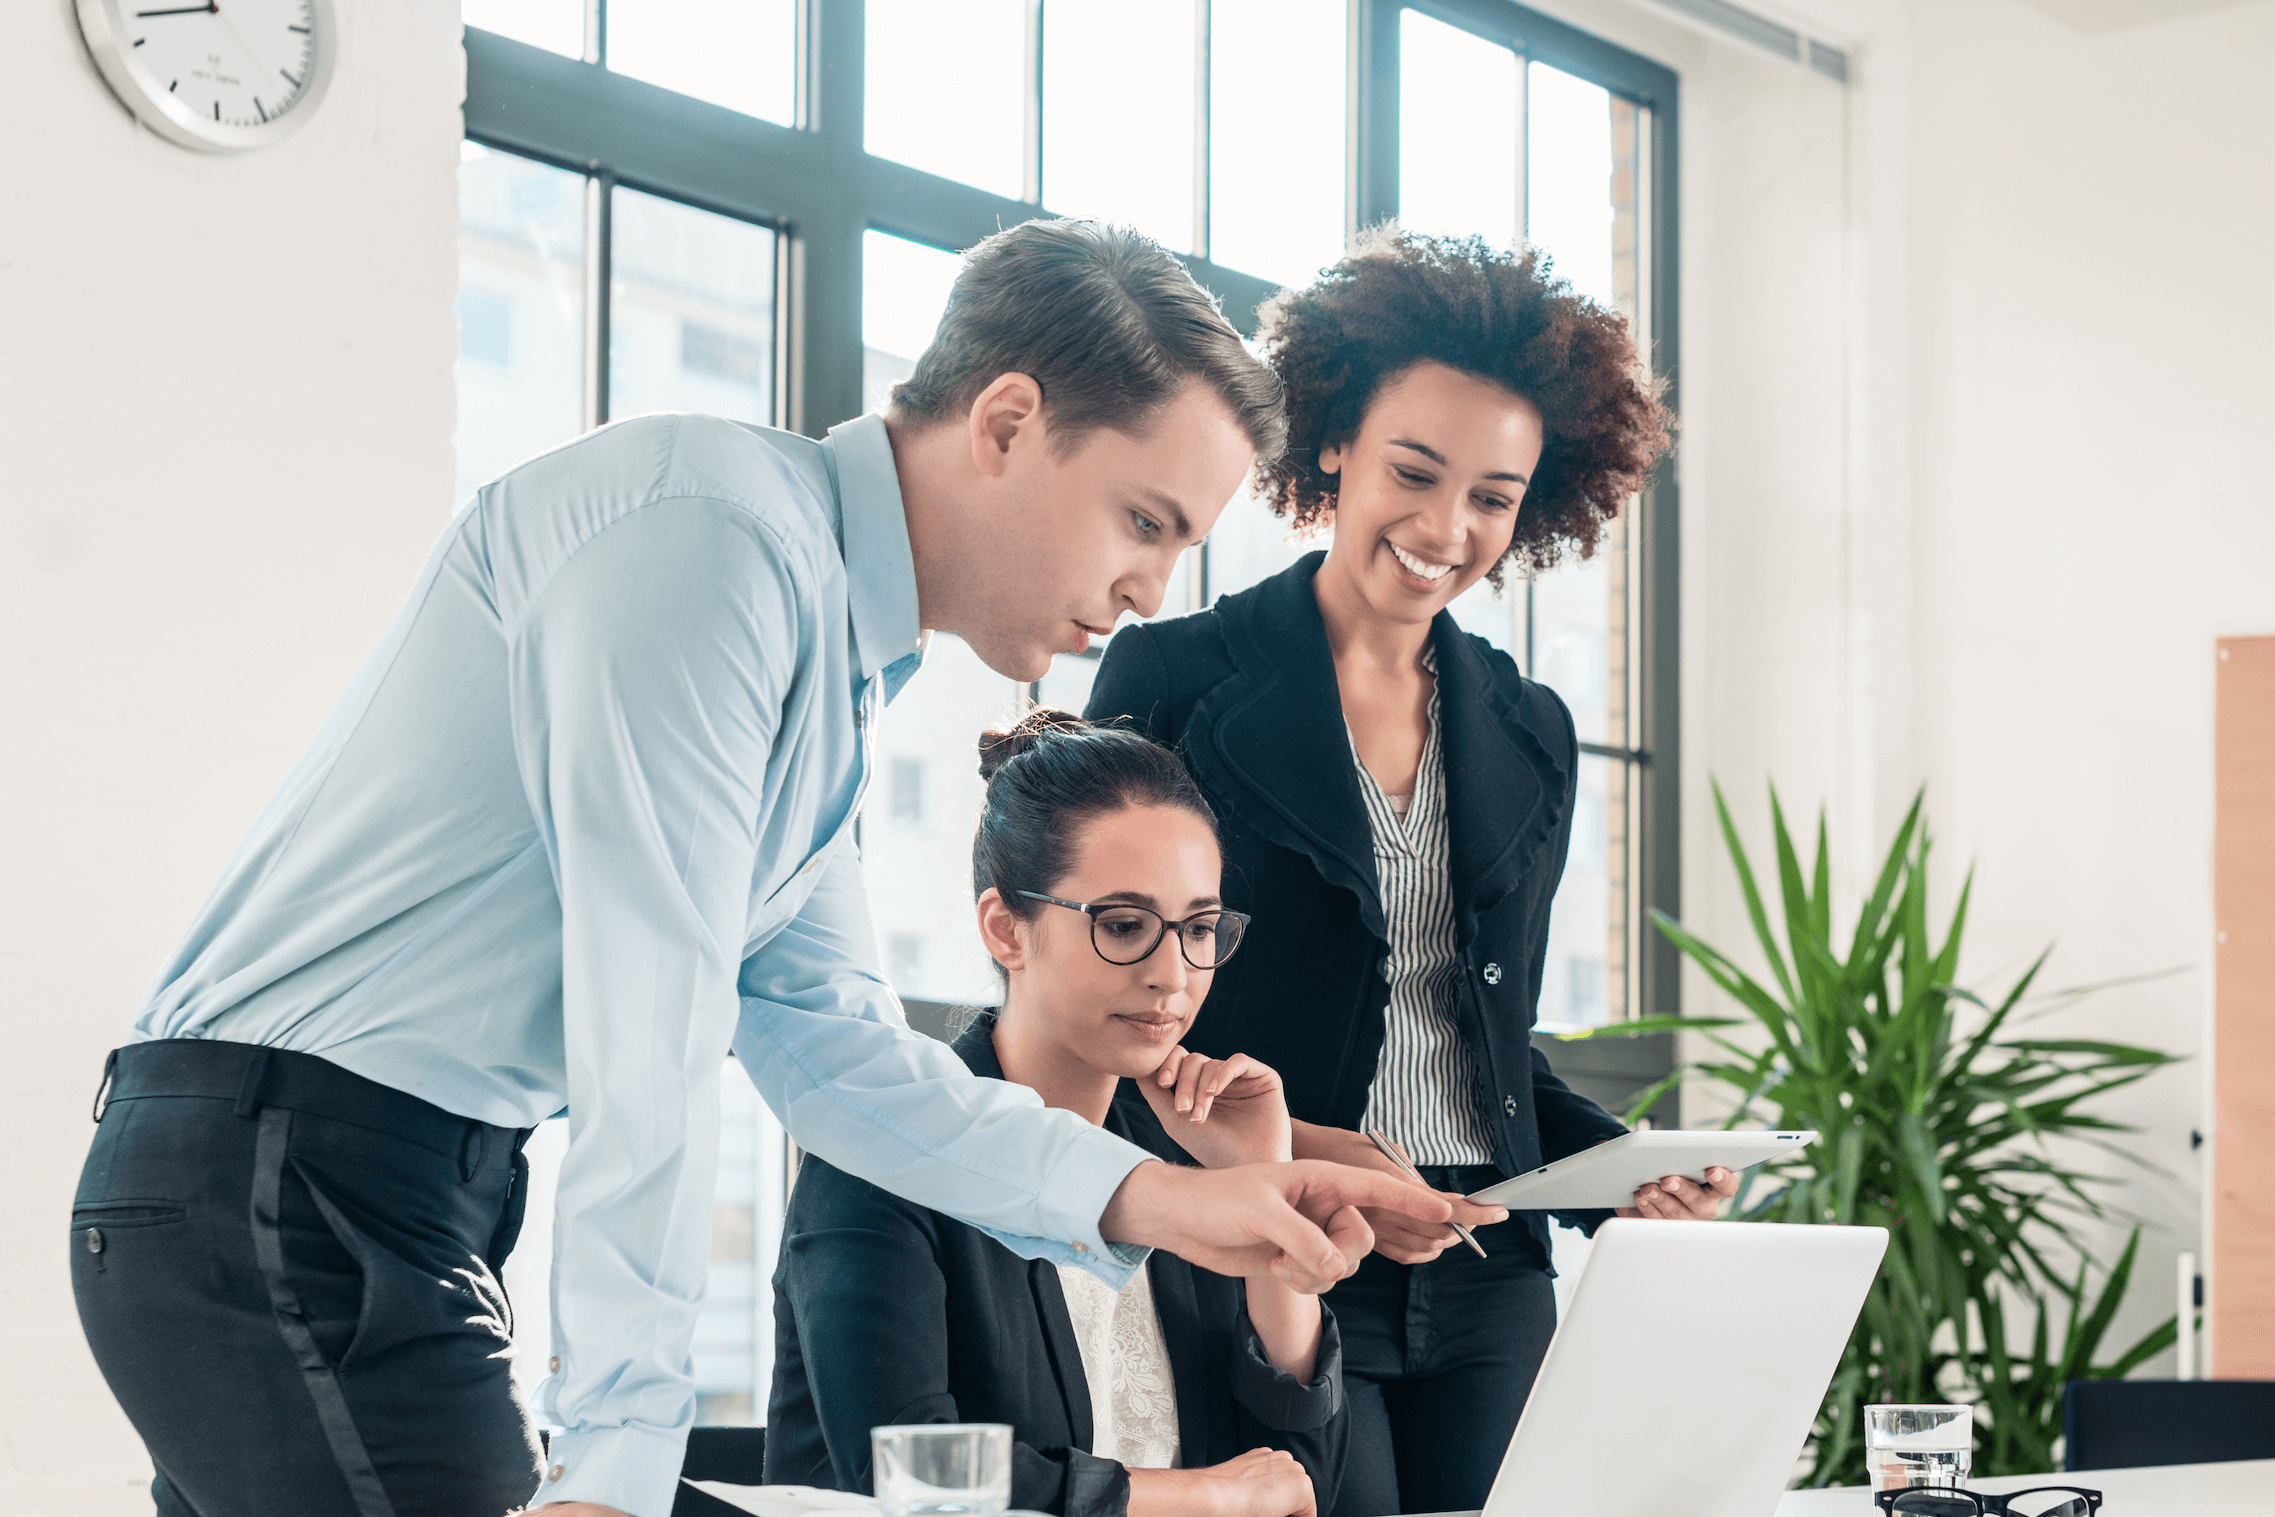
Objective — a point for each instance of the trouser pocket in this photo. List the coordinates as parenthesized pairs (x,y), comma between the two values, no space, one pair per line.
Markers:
(94,1225)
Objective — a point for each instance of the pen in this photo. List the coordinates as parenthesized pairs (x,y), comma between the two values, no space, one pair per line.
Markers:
(1396,1155)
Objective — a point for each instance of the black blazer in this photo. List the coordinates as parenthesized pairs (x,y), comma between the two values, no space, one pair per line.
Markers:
(886,1312)
(1246,692)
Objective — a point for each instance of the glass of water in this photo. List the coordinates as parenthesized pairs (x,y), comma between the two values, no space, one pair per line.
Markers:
(961,1468)
(1918,1445)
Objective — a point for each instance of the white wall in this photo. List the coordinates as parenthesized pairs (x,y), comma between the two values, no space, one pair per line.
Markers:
(1974,409)
(2091,318)
(225,410)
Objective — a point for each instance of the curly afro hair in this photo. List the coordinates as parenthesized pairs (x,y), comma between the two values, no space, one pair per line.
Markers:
(1400,299)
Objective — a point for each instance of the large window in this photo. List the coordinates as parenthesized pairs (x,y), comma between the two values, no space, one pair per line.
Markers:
(755,211)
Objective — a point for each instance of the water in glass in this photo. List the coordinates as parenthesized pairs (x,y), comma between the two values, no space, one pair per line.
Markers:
(1918,1445)
(1893,1469)
(962,1469)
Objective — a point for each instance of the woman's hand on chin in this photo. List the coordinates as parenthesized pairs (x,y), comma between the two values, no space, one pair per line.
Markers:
(1221,1111)
(1259,1483)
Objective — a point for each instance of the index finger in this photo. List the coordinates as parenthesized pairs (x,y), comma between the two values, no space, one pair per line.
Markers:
(1331,1187)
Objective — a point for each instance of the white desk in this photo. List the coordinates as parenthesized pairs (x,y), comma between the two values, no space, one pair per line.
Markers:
(2173,1490)
(2242,1489)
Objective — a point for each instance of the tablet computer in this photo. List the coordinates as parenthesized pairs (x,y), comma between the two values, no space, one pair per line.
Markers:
(1610,1173)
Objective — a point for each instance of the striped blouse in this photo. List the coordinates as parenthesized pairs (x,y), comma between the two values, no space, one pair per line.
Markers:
(1425,1086)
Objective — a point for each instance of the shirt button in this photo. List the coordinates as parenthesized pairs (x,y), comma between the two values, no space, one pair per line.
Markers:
(1080,1247)
(554,1364)
(1509,1105)
(1492,974)
(556,1472)
(94,1240)
(860,717)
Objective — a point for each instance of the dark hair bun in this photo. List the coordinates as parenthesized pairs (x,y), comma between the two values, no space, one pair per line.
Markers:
(1047,779)
(1000,748)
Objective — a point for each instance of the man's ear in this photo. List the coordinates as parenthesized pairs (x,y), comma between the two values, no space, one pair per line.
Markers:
(999,931)
(1000,414)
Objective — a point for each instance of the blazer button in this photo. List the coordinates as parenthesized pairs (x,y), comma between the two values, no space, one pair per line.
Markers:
(94,1240)
(1492,973)
(1509,1105)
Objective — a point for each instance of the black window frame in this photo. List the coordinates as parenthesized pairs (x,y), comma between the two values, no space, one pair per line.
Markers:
(814,184)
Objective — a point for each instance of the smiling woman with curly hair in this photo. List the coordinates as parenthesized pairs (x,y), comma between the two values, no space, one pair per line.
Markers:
(1396,801)
(1400,301)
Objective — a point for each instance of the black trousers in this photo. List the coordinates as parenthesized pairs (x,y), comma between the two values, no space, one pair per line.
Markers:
(1438,1360)
(289,1276)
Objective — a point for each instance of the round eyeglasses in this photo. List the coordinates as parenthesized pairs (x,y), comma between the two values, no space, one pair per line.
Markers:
(1126,934)
(1949,1501)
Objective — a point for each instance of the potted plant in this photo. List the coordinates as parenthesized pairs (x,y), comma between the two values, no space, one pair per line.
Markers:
(1935,1122)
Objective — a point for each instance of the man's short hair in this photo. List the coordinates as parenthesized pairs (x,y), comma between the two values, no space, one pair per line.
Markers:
(1105,320)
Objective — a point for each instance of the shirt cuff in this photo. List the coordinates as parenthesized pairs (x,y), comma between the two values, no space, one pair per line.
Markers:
(1276,1398)
(1074,1196)
(633,1469)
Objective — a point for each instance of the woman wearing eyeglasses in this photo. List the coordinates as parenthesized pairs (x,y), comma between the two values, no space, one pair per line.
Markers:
(1396,802)
(1096,869)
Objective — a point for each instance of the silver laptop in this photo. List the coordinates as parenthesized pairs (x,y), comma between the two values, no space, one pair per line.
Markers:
(1684,1378)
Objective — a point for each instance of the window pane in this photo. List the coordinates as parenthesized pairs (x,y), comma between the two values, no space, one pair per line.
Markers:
(733,1348)
(521,249)
(1457,132)
(916,845)
(946,89)
(742,54)
(925,792)
(558,26)
(1579,638)
(1118,115)
(691,312)
(1568,178)
(904,288)
(1276,110)
(1584,982)
(1249,543)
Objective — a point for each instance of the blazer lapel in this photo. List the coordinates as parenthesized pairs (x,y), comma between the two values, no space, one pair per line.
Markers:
(1505,787)
(1270,740)
(1066,1354)
(1178,1307)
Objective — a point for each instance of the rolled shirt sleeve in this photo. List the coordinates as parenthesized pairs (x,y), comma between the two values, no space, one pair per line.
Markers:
(823,1039)
(642,719)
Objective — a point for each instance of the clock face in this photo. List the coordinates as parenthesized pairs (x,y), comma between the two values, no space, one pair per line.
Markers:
(222,75)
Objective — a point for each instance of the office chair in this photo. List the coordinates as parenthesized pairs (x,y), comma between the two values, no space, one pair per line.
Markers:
(736,1455)
(2118,1424)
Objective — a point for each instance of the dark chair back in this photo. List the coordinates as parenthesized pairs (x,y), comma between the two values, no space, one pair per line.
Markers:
(2117,1424)
(736,1455)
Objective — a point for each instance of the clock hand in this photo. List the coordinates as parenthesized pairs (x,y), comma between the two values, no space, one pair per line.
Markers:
(210,8)
(260,69)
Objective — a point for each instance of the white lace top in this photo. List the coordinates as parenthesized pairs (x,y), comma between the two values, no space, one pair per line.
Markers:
(1133,1401)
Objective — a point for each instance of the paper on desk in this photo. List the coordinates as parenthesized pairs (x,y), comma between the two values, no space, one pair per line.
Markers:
(785,1500)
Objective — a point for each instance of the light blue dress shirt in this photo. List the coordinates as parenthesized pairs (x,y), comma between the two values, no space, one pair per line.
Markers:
(593,792)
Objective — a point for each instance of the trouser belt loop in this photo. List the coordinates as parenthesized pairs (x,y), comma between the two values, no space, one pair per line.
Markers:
(471,1151)
(103,1086)
(249,1090)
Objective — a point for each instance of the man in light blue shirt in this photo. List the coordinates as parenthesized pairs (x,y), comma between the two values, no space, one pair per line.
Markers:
(584,816)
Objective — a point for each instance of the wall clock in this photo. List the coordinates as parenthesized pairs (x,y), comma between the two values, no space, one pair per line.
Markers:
(221,76)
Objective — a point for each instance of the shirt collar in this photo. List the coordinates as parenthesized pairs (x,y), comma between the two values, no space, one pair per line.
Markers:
(880,571)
